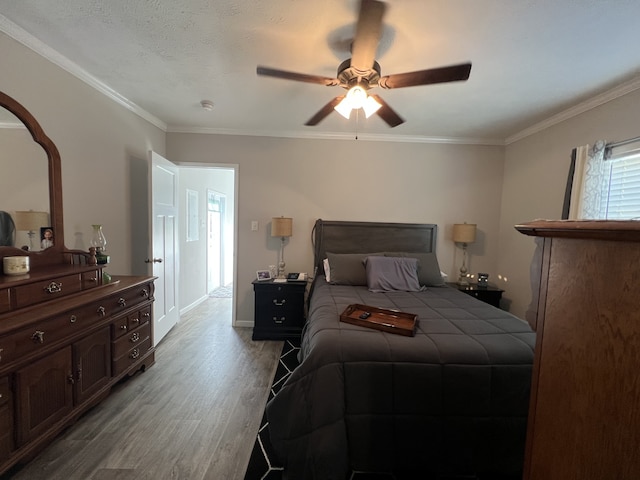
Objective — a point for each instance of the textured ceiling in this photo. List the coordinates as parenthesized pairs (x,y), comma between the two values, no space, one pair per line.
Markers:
(532,59)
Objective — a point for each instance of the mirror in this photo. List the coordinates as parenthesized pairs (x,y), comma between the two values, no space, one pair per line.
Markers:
(24,182)
(38,178)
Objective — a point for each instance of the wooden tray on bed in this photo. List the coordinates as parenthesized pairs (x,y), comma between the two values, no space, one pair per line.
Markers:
(392,321)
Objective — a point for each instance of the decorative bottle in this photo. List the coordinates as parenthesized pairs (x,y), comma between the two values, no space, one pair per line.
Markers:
(99,241)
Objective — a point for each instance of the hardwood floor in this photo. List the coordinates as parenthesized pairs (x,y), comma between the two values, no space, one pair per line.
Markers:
(193,415)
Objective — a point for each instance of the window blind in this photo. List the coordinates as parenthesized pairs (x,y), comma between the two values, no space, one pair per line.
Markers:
(621,193)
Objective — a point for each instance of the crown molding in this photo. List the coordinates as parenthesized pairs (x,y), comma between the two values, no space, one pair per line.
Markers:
(31,42)
(616,92)
(339,136)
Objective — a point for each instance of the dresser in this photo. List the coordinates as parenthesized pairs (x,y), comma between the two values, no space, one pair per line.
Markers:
(66,335)
(279,309)
(584,417)
(65,339)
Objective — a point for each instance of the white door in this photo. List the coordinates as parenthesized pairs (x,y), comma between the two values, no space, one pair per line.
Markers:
(164,250)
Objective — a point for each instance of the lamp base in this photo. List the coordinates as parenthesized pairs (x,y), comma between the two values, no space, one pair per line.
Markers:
(281,270)
(463,282)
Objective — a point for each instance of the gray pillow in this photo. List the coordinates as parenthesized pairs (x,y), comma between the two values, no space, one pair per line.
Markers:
(392,274)
(348,268)
(428,269)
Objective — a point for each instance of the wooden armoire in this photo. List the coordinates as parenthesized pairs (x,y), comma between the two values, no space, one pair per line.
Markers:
(584,416)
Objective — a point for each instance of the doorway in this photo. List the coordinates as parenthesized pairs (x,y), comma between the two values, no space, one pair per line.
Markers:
(216,213)
(207,246)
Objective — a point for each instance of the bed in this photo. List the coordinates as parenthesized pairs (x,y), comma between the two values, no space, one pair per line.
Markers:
(451,400)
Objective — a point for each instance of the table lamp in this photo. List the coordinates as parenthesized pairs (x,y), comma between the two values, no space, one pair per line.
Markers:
(281,227)
(464,233)
(30,222)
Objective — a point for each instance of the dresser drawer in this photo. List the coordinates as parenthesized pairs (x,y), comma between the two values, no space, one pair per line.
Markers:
(131,357)
(130,322)
(131,340)
(91,279)
(25,295)
(127,299)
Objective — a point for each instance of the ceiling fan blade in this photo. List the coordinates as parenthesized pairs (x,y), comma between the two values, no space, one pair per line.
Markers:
(368,31)
(387,113)
(298,77)
(453,73)
(324,111)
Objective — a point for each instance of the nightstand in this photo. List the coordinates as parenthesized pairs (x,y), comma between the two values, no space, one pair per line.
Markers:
(489,294)
(279,309)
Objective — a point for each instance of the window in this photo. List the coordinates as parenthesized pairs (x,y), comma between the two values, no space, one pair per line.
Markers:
(620,199)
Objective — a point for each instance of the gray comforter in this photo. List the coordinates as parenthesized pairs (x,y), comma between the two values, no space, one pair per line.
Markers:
(453,399)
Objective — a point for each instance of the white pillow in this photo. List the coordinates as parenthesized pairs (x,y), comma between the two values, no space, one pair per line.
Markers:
(327,270)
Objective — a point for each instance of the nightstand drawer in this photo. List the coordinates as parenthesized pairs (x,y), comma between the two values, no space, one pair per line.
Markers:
(279,310)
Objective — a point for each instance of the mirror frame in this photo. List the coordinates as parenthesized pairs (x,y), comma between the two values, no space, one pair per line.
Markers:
(55,169)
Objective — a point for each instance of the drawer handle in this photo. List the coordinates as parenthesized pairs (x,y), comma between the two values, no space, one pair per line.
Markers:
(280,320)
(1,350)
(123,327)
(144,293)
(279,302)
(135,336)
(135,320)
(134,354)
(122,302)
(102,311)
(73,319)
(53,287)
(146,314)
(38,336)
(93,279)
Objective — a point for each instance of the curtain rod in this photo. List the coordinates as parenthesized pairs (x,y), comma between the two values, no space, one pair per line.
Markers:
(622,142)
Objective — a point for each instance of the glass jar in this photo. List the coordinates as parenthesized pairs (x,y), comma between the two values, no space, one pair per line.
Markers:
(98,240)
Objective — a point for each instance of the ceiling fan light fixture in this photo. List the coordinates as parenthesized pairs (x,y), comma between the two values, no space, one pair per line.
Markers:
(370,106)
(344,108)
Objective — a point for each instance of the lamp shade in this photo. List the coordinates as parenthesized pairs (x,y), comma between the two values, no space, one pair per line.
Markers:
(281,226)
(31,221)
(464,232)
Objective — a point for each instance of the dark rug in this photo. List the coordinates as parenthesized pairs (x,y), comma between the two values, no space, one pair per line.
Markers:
(264,466)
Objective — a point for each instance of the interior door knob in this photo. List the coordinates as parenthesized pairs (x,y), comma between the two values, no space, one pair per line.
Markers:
(155,260)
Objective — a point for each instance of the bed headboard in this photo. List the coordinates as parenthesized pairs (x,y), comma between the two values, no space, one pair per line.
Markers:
(368,237)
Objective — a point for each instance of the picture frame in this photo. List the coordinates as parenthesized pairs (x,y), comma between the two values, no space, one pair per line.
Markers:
(263,275)
(46,237)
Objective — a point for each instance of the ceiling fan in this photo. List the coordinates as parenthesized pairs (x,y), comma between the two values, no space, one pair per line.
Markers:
(361,72)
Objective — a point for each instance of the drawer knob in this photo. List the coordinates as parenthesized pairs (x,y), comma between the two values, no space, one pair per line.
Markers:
(278,320)
(38,336)
(53,287)
(146,315)
(135,336)
(73,319)
(135,320)
(279,302)
(134,354)
(1,350)
(102,311)
(122,302)
(123,327)
(144,292)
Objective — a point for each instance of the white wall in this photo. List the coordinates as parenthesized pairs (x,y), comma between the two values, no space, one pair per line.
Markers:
(351,180)
(98,141)
(535,176)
